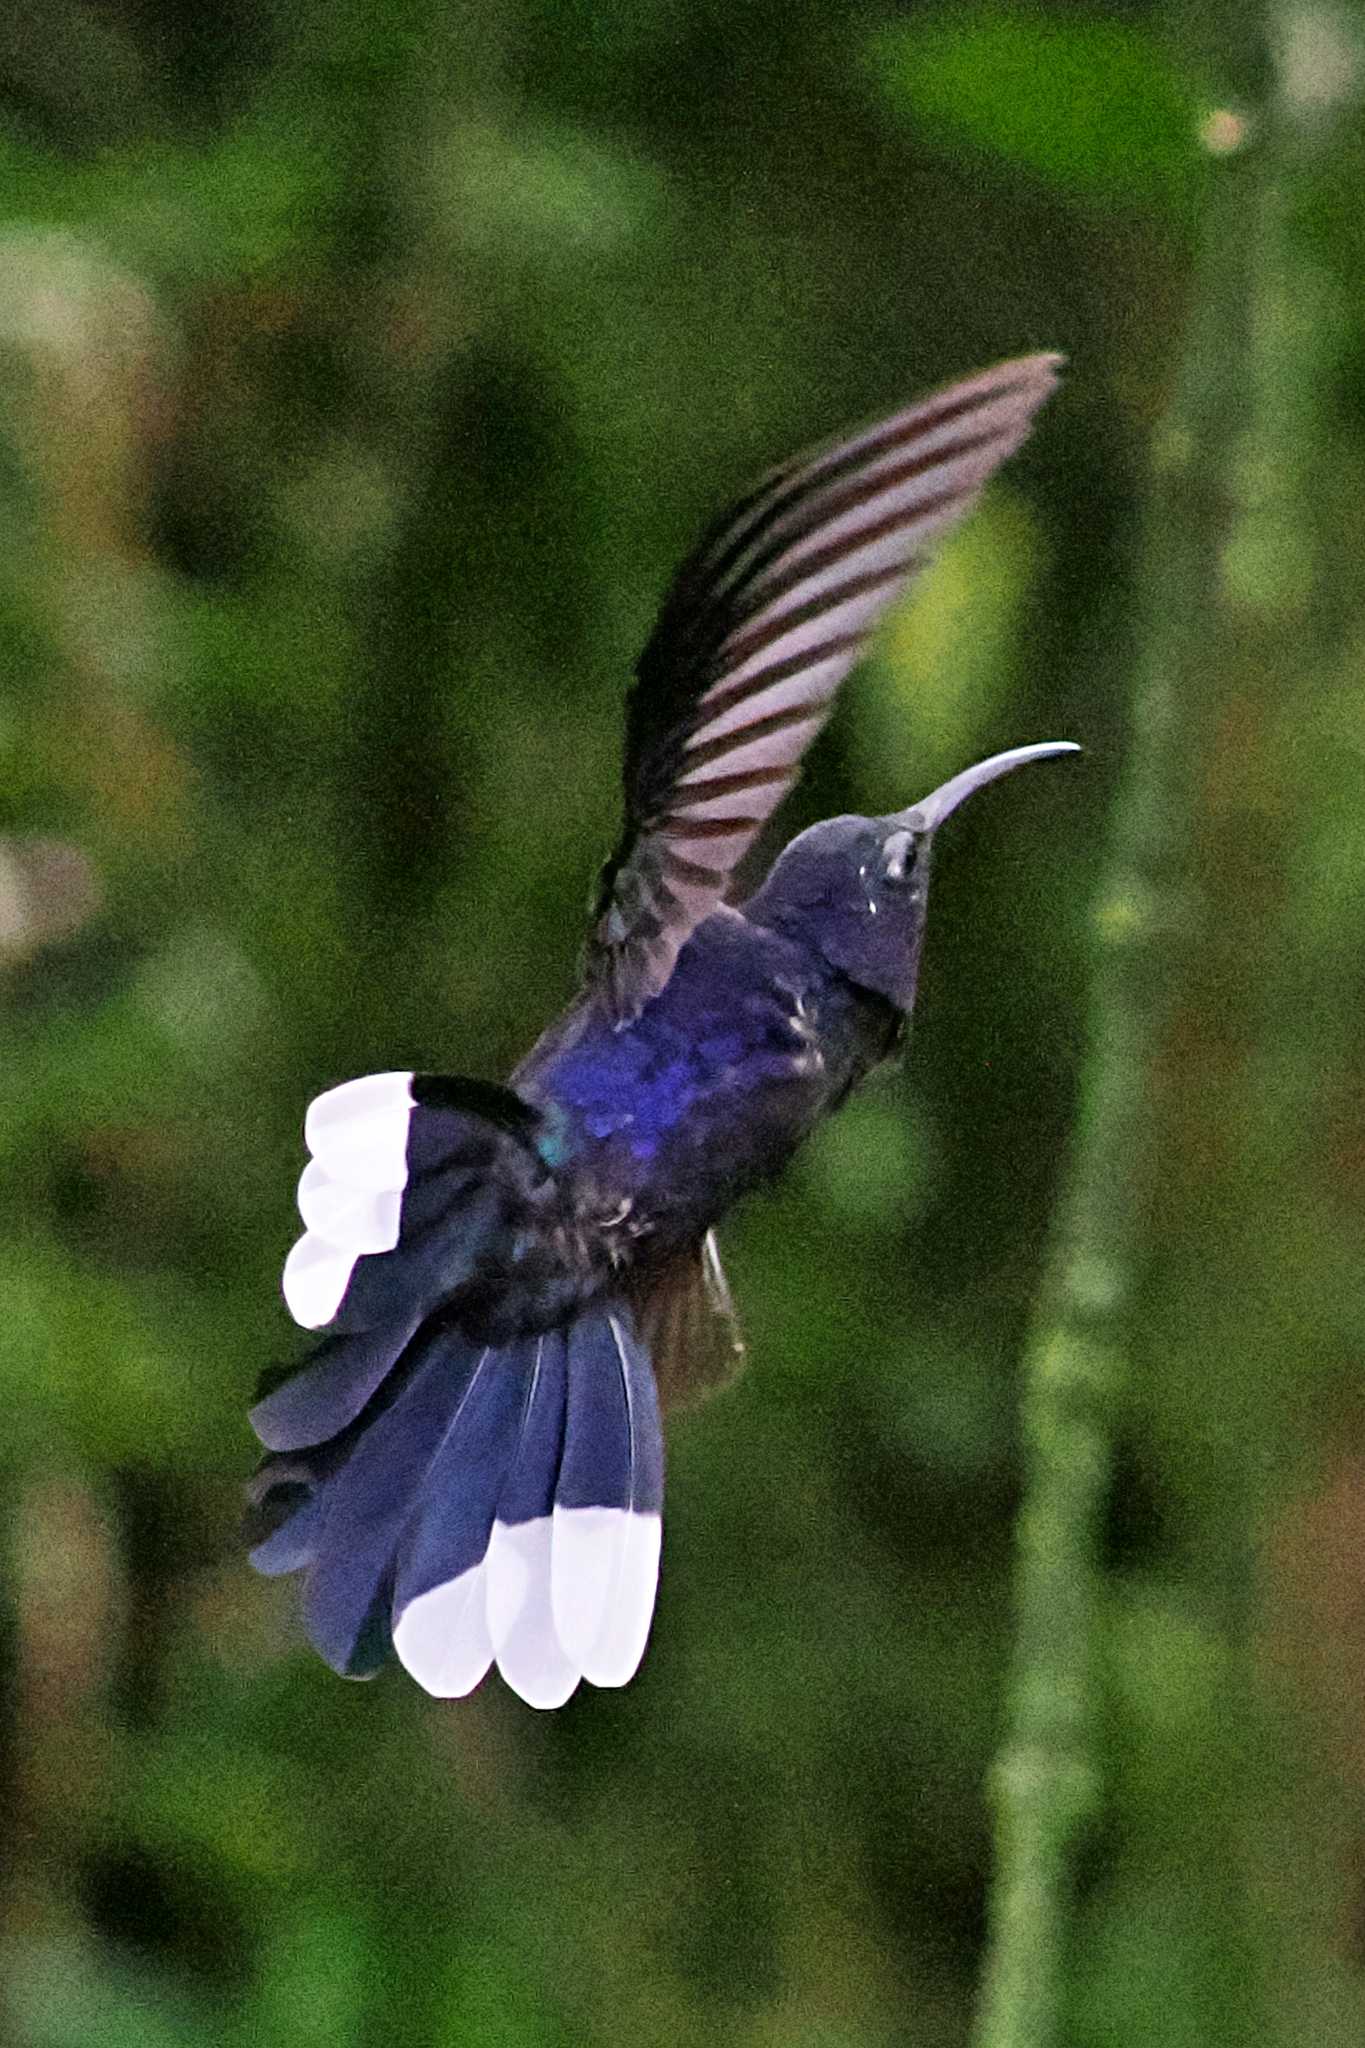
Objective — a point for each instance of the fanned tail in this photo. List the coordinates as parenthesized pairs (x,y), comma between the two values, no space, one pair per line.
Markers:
(468,1503)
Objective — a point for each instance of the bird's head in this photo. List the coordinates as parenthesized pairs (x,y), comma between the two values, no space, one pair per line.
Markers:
(857,888)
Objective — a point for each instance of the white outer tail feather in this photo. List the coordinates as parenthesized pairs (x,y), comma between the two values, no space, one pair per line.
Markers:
(350,1192)
(564,1597)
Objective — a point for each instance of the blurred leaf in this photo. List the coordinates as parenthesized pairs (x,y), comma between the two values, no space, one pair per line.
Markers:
(553,195)
(875,1164)
(942,666)
(236,211)
(1095,108)
(85,1355)
(1164,1968)
(312,1982)
(69,1994)
(232,1809)
(489,2001)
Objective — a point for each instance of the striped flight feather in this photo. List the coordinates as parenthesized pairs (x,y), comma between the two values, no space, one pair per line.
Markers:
(688,825)
(778,725)
(690,870)
(697,783)
(902,524)
(777,620)
(693,804)
(809,488)
(831,514)
(747,691)
(763,623)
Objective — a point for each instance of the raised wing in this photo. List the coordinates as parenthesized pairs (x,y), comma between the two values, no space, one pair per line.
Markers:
(765,620)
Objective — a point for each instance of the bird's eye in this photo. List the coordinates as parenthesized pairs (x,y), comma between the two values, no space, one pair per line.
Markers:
(898,856)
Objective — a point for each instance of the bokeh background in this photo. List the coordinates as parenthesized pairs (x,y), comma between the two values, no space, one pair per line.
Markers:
(366,368)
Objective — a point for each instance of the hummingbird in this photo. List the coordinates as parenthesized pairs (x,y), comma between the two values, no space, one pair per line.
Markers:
(512,1284)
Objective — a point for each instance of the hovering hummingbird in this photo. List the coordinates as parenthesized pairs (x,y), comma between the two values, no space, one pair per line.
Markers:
(514,1280)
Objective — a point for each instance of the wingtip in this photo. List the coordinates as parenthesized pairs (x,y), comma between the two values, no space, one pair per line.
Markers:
(1047,363)
(1010,391)
(1032,378)
(1035,376)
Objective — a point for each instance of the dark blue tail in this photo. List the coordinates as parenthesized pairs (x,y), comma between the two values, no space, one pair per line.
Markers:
(464,1503)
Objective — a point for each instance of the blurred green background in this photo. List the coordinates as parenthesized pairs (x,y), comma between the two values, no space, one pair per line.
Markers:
(366,370)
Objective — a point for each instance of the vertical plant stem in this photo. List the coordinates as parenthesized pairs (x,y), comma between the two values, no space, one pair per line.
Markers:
(1047,1781)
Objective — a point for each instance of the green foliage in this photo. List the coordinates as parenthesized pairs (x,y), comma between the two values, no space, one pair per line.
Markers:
(1090,105)
(942,677)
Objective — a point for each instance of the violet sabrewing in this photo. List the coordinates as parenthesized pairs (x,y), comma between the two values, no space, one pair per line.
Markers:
(513,1282)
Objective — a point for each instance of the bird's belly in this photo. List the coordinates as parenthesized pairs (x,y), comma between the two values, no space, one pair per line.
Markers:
(683,1178)
(664,1130)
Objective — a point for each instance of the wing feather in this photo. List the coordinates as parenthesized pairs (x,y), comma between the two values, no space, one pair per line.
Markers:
(688,1323)
(762,625)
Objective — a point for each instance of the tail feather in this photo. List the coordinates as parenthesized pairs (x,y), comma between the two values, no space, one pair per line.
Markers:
(616,1653)
(341,1378)
(440,1603)
(491,1503)
(521,1619)
(284,1512)
(607,1503)
(416,1182)
(369,1500)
